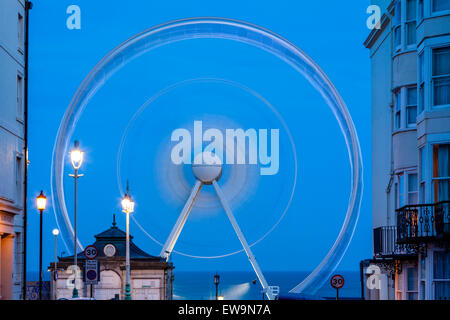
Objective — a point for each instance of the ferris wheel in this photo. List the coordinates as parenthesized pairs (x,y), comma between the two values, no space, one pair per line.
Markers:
(210,173)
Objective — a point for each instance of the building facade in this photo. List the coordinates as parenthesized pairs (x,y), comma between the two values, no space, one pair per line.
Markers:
(151,277)
(12,147)
(410,62)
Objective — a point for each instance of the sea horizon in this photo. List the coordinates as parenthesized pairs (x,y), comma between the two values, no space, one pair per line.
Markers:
(243,285)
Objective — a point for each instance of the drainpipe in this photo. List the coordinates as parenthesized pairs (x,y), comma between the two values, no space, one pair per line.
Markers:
(28,6)
(361,274)
(388,189)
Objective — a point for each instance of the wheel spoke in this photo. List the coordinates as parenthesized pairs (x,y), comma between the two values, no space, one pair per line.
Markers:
(176,230)
(243,241)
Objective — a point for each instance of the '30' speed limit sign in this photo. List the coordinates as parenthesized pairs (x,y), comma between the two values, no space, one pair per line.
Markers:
(337,281)
(90,252)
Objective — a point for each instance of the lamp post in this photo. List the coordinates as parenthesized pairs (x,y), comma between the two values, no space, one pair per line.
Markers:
(41,202)
(216,282)
(76,157)
(55,277)
(127,207)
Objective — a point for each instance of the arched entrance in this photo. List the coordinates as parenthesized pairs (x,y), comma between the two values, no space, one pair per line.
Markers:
(109,287)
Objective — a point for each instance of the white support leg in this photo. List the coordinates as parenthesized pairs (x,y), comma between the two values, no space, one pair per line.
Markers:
(244,243)
(175,233)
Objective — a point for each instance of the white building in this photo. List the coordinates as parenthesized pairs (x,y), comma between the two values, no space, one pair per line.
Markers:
(410,57)
(12,146)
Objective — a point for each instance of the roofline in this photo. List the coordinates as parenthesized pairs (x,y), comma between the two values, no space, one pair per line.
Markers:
(376,33)
(385,19)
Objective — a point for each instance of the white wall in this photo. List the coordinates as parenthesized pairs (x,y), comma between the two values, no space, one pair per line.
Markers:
(12,131)
(381,126)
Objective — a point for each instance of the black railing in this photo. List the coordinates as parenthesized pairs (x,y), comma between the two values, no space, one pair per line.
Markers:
(384,241)
(385,244)
(423,222)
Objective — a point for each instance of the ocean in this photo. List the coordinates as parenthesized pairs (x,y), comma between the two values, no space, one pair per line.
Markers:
(238,285)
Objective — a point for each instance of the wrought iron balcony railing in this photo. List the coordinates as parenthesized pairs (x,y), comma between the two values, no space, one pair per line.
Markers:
(385,244)
(423,223)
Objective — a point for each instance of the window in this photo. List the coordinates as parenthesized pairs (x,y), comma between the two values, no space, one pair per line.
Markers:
(398,285)
(441,172)
(412,189)
(398,26)
(422,164)
(423,276)
(20,29)
(19,182)
(398,108)
(411,106)
(404,24)
(421,83)
(396,195)
(411,290)
(405,107)
(441,76)
(19,95)
(397,38)
(420,13)
(441,275)
(407,189)
(440,5)
(401,190)
(411,16)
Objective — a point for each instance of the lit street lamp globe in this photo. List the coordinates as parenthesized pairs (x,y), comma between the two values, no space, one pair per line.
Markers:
(76,156)
(41,201)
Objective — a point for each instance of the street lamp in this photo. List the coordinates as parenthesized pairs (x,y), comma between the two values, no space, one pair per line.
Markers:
(216,282)
(55,276)
(41,202)
(127,207)
(76,157)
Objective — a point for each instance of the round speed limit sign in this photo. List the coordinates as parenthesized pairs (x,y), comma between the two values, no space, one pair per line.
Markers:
(337,281)
(90,252)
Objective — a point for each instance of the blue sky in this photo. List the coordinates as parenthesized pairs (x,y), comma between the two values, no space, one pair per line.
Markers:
(330,32)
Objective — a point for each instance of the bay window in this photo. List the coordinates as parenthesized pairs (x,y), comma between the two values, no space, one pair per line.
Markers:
(421,83)
(410,23)
(401,190)
(398,110)
(405,107)
(440,5)
(441,172)
(411,106)
(407,192)
(441,76)
(422,166)
(404,24)
(420,14)
(441,275)
(412,189)
(398,26)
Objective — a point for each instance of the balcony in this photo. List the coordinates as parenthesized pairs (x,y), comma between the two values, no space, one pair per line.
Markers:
(385,244)
(423,223)
(384,240)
